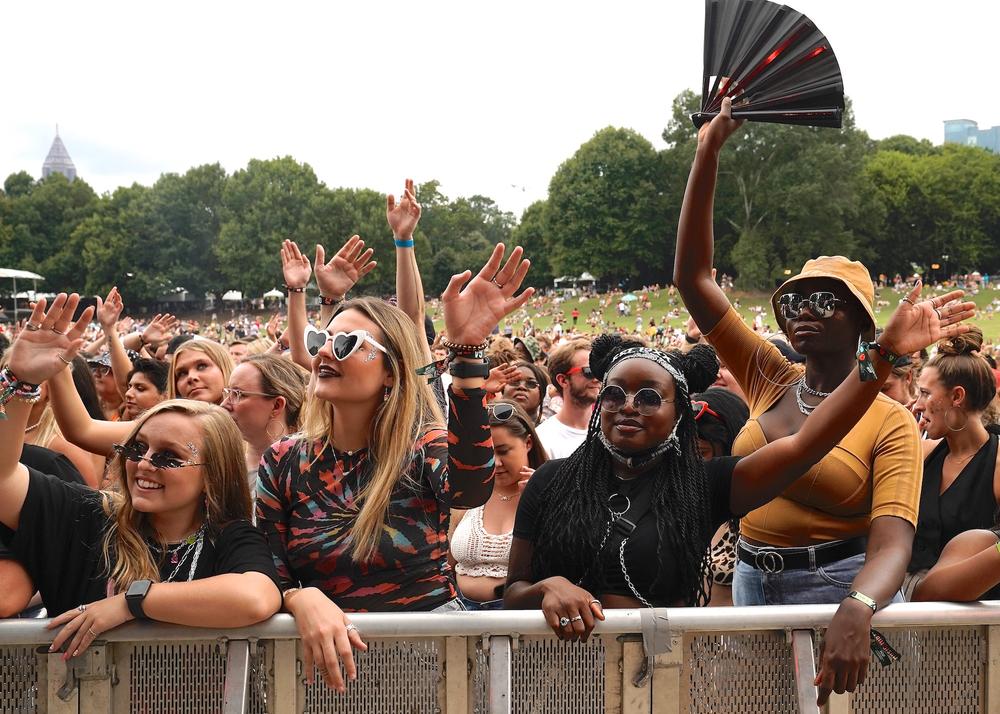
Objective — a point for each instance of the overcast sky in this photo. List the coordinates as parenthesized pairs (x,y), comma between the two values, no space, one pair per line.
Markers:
(488,98)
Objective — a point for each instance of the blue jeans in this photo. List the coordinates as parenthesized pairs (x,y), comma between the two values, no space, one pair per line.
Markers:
(827,584)
(488,605)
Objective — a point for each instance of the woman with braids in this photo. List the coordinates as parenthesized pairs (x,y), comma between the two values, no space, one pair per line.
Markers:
(357,507)
(626,520)
(174,545)
(847,527)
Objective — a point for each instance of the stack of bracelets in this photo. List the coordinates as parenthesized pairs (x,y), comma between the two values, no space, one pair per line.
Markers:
(13,388)
(480,368)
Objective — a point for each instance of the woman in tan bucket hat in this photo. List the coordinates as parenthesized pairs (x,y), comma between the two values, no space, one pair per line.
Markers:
(842,533)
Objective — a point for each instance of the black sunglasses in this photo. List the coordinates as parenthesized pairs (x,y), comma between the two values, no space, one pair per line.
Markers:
(822,304)
(584,370)
(135,453)
(502,413)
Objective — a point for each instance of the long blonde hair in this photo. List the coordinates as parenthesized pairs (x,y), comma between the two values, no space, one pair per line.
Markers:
(216,352)
(408,412)
(227,494)
(283,378)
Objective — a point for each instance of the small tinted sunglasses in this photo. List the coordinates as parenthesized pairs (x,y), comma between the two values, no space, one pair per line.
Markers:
(821,304)
(583,369)
(646,401)
(528,384)
(502,412)
(135,453)
(344,343)
(701,409)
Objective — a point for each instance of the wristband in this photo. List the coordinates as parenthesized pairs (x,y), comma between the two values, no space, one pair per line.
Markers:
(865,366)
(400,243)
(863,599)
(691,340)
(329,301)
(290,289)
(469,369)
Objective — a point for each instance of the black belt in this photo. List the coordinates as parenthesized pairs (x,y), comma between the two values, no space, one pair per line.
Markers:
(775,560)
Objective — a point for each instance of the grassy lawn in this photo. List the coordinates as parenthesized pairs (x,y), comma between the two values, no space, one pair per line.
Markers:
(661,304)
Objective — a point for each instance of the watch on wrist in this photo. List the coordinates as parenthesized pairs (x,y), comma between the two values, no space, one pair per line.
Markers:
(134,597)
(469,369)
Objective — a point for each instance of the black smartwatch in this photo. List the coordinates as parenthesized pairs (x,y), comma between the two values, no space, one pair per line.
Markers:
(134,596)
(469,369)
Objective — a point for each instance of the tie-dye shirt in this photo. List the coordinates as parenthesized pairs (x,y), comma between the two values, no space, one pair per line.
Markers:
(306,506)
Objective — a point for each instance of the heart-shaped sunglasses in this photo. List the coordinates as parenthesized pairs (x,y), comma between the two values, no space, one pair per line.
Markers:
(344,343)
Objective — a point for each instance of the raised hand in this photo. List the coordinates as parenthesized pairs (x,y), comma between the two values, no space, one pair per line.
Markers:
(403,216)
(109,310)
(351,263)
(124,325)
(471,313)
(294,266)
(500,377)
(273,326)
(918,323)
(714,134)
(159,329)
(50,339)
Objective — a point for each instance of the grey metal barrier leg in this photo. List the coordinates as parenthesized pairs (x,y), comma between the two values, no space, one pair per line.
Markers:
(500,665)
(804,659)
(236,697)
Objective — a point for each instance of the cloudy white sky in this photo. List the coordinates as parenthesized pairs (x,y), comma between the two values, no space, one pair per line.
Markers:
(487,98)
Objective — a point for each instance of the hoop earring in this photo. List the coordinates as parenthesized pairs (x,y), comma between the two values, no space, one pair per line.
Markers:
(267,430)
(950,427)
(385,394)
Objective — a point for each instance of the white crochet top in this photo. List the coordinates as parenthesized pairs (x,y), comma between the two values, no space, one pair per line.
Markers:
(476,552)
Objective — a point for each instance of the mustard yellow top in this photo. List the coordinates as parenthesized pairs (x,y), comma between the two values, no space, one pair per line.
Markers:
(876,470)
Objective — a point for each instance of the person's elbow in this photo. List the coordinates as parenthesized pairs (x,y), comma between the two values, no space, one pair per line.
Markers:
(16,588)
(258,601)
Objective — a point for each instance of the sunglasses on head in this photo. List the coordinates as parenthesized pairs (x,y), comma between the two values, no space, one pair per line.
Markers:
(646,401)
(135,453)
(701,409)
(822,304)
(502,412)
(583,369)
(100,370)
(344,343)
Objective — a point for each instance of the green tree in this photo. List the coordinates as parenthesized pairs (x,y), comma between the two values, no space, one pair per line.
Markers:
(531,235)
(605,209)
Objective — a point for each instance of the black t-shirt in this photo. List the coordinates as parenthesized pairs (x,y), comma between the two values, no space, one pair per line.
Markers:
(61,532)
(640,550)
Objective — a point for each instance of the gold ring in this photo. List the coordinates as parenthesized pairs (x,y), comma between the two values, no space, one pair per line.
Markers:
(32,327)
(63,358)
(58,332)
(93,634)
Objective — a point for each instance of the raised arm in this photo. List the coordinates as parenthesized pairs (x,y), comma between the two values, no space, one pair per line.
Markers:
(97,437)
(768,471)
(296,271)
(336,277)
(48,342)
(470,314)
(109,311)
(403,218)
(693,258)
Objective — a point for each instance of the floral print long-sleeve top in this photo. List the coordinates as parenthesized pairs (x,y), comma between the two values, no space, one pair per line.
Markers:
(307,503)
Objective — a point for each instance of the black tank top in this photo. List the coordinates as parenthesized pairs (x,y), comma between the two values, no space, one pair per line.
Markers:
(967,504)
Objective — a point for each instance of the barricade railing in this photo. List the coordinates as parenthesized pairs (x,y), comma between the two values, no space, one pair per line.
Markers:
(698,660)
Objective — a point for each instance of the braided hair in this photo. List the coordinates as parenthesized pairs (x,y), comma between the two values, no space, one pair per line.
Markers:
(572,526)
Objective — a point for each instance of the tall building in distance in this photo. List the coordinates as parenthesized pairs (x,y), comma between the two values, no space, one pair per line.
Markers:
(967,132)
(58,160)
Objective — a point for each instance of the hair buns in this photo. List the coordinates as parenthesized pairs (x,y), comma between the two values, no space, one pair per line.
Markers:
(700,367)
(967,344)
(603,350)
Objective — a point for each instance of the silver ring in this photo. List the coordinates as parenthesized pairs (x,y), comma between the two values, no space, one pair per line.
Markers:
(576,619)
(81,608)
(906,299)
(938,312)
(32,327)
(597,601)
(563,621)
(67,361)
(497,284)
(352,627)
(58,332)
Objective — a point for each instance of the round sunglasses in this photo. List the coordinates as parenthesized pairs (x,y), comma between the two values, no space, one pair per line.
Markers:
(822,304)
(344,343)
(646,401)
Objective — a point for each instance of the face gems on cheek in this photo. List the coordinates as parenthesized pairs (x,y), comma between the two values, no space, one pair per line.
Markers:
(192,448)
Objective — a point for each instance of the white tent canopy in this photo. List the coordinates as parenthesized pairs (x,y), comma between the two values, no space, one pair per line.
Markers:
(15,275)
(232,295)
(274,293)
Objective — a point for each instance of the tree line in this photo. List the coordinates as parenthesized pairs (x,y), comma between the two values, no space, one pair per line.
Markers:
(785,194)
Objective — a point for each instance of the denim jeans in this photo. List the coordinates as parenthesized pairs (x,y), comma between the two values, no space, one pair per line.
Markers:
(475,605)
(455,605)
(829,583)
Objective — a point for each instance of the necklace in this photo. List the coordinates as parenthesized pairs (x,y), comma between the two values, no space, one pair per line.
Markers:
(810,390)
(806,409)
(180,552)
(31,428)
(509,498)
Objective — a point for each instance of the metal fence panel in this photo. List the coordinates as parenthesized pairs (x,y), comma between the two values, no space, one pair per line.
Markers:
(18,678)
(393,676)
(167,678)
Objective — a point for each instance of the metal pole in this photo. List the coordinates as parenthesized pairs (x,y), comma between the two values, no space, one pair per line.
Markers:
(803,658)
(15,302)
(499,675)
(235,699)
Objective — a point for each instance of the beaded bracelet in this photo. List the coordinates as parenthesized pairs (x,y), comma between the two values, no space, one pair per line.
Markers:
(290,289)
(13,388)
(329,301)
(474,351)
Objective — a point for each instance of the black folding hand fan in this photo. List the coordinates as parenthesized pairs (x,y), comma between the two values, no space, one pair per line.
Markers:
(772,62)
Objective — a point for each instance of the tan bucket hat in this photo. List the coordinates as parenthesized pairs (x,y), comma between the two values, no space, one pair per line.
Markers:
(854,276)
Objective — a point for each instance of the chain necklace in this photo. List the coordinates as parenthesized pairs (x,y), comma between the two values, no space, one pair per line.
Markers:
(806,409)
(510,498)
(615,515)
(29,429)
(810,390)
(180,552)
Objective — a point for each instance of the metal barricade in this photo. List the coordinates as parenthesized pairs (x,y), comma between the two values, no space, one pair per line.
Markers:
(638,661)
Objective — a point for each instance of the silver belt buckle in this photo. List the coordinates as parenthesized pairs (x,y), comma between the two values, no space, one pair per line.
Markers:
(770,561)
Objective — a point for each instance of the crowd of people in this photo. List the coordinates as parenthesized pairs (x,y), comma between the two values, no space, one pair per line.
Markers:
(355,460)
